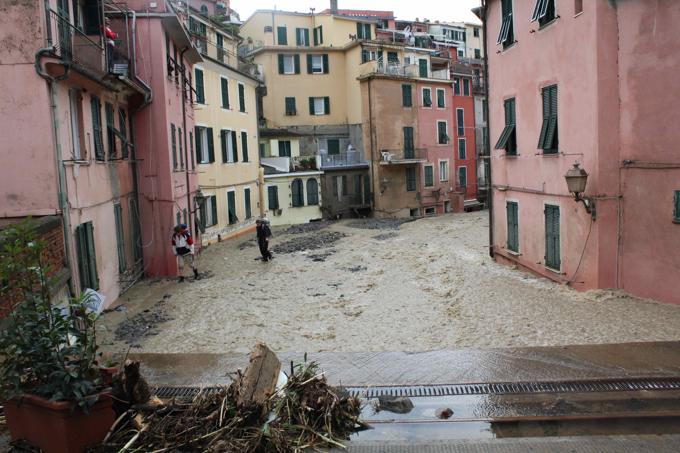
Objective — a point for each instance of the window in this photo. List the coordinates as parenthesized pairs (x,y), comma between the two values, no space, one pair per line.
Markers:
(282,36)
(246,201)
(191,151)
(220,47)
(122,128)
(552,237)
(289,63)
(291,110)
(231,207)
(297,193)
(511,209)
(97,128)
(200,89)
(76,111)
(363,31)
(284,148)
(548,140)
(110,130)
(318,35)
(442,133)
(181,154)
(508,139)
(370,55)
(241,98)
(462,149)
(312,192)
(676,209)
(460,121)
(120,239)
(173,142)
(475,32)
(443,170)
(333,146)
(392,58)
(205,148)
(409,149)
(87,258)
(478,54)
(456,86)
(506,35)
(302,36)
(544,12)
(209,211)
(410,179)
(466,87)
(317,64)
(422,68)
(461,53)
(427,97)
(224,83)
(462,176)
(578,6)
(441,98)
(273,197)
(204,10)
(319,106)
(406,96)
(229,146)
(244,146)
(429,175)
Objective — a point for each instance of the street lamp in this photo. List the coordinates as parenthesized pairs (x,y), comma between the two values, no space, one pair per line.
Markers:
(576,183)
(199,200)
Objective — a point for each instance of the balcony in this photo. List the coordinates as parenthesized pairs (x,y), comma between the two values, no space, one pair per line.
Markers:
(402,70)
(342,160)
(402,156)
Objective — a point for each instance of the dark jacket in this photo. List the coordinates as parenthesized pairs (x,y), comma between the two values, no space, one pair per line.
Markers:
(263,232)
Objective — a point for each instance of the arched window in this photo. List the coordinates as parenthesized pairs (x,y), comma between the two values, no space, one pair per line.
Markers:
(298,192)
(312,192)
(204,10)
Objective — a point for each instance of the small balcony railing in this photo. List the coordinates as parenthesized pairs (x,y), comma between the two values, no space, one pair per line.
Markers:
(345,159)
(402,156)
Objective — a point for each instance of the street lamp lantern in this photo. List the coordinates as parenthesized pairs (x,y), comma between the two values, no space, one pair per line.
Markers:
(577,178)
(199,199)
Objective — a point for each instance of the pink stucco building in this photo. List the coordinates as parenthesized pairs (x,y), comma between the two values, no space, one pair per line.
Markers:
(593,83)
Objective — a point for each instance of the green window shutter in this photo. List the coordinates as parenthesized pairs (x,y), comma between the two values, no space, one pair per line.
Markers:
(282,36)
(200,90)
(290,106)
(225,93)
(311,106)
(309,63)
(244,146)
(120,239)
(174,146)
(367,31)
(296,63)
(297,193)
(460,121)
(199,150)
(427,97)
(122,126)
(422,68)
(365,56)
(344,184)
(273,197)
(246,199)
(92,256)
(298,37)
(281,70)
(676,214)
(327,105)
(408,142)
(81,250)
(462,149)
(512,226)
(211,145)
(241,98)
(213,208)
(180,141)
(406,95)
(312,192)
(545,93)
(97,128)
(306,33)
(320,34)
(234,145)
(223,145)
(552,237)
(441,102)
(429,176)
(231,207)
(110,127)
(410,179)
(333,146)
(325,63)
(360,30)
(316,36)
(442,136)
(191,151)
(466,87)
(462,176)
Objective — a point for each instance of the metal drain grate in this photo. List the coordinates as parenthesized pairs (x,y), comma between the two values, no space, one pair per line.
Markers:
(499,388)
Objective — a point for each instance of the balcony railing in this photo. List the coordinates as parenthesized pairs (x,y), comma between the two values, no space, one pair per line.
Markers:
(397,69)
(402,156)
(346,159)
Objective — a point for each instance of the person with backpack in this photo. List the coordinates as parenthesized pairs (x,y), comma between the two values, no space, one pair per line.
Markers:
(183,249)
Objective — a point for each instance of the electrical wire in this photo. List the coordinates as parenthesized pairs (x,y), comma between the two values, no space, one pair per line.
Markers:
(590,228)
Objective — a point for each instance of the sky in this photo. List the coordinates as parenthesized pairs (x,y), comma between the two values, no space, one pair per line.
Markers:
(447,10)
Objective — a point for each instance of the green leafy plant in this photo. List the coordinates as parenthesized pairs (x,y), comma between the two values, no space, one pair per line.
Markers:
(47,350)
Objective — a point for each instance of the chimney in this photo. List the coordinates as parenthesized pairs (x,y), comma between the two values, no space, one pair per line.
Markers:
(334,6)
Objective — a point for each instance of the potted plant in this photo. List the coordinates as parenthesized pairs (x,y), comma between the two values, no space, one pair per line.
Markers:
(50,381)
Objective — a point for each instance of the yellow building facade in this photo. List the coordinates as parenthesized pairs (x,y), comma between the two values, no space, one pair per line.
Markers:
(225,138)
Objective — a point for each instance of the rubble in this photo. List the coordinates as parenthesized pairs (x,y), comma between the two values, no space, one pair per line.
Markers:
(385,236)
(308,227)
(321,257)
(395,404)
(144,324)
(309,242)
(378,224)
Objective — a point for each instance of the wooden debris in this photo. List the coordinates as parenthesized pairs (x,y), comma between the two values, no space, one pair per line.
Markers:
(259,380)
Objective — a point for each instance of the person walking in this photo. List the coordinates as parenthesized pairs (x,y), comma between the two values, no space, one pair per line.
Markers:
(264,233)
(183,249)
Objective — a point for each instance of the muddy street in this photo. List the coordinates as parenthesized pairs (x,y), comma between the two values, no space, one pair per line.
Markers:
(373,286)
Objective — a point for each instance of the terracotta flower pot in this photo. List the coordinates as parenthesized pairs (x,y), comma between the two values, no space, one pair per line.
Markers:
(59,427)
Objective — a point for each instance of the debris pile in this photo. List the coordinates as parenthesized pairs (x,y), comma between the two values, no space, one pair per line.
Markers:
(249,416)
(308,227)
(378,224)
(309,242)
(385,236)
(144,324)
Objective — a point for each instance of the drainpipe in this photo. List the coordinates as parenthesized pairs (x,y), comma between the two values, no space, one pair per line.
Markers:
(62,191)
(487,144)
(184,138)
(370,131)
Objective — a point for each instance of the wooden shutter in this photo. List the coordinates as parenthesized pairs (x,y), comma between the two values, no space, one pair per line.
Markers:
(512,226)
(360,30)
(296,192)
(676,215)
(552,237)
(311,106)
(545,93)
(367,31)
(296,63)
(316,36)
(441,102)
(327,105)
(422,68)
(320,34)
(234,145)
(199,147)
(312,192)
(306,33)
(211,145)
(200,90)
(91,256)
(213,208)
(309,64)
(180,141)
(120,239)
(408,140)
(441,129)
(231,207)
(344,184)
(225,93)
(273,197)
(244,146)
(406,96)
(429,176)
(246,199)
(298,38)
(282,36)
(281,65)
(174,146)
(97,128)
(223,145)
(427,97)
(241,97)
(324,57)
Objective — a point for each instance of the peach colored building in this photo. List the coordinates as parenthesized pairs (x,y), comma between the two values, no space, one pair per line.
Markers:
(604,100)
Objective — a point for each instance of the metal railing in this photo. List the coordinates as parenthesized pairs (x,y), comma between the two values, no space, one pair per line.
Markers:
(392,156)
(72,45)
(344,159)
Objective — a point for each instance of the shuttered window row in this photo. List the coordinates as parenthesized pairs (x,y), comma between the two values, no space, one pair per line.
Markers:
(548,140)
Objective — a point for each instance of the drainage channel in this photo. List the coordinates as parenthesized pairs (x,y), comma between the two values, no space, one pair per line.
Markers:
(499,388)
